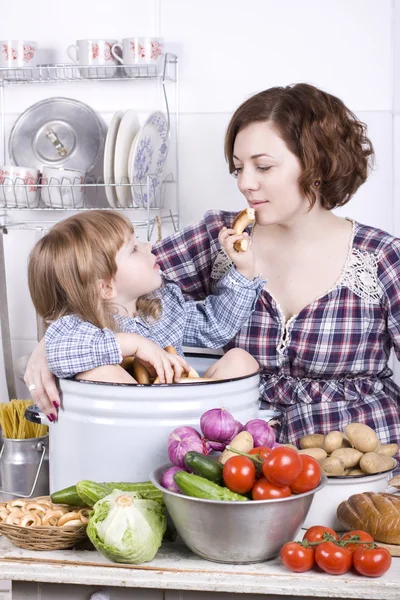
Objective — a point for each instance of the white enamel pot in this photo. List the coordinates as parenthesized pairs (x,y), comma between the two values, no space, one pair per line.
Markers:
(109,432)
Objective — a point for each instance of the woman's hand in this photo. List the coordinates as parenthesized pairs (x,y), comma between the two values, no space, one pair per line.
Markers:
(167,367)
(244,261)
(45,393)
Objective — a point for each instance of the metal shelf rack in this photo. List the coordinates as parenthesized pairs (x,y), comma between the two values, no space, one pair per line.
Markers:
(20,210)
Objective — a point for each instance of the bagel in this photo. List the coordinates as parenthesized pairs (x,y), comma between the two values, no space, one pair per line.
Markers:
(14,517)
(84,514)
(72,523)
(51,518)
(69,519)
(15,504)
(240,223)
(35,506)
(30,520)
(140,373)
(3,514)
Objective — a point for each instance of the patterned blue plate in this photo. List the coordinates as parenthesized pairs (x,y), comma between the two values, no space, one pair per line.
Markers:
(147,159)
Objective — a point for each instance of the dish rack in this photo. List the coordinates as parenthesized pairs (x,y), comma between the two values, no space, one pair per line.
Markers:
(32,215)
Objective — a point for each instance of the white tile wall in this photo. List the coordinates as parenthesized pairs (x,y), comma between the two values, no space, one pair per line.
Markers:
(227,50)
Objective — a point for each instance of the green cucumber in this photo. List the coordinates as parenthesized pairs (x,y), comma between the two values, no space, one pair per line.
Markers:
(198,487)
(68,496)
(91,492)
(87,493)
(204,466)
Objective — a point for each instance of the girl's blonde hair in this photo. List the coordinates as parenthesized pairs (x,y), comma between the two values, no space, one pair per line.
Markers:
(66,265)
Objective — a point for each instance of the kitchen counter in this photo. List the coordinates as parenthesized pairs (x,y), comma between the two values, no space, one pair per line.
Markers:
(174,569)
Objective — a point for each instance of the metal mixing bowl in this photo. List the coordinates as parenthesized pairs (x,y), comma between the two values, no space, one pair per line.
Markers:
(235,532)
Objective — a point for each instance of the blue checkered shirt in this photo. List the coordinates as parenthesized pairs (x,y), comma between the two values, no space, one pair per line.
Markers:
(74,346)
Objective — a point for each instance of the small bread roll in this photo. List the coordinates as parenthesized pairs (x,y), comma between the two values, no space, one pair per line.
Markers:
(240,222)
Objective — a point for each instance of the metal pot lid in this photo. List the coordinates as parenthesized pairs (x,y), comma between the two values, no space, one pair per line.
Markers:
(57,132)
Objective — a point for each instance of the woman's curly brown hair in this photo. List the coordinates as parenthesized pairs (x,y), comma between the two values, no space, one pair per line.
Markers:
(320,130)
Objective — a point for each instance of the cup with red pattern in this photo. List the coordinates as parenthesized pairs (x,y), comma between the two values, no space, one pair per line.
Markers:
(139,51)
(18,187)
(94,58)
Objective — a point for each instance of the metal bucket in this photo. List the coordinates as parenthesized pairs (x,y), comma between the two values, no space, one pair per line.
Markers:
(24,468)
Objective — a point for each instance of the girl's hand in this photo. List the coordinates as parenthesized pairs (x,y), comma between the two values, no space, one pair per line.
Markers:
(167,367)
(45,393)
(244,261)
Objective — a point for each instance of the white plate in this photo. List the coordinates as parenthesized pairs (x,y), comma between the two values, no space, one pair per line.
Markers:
(148,157)
(109,153)
(126,133)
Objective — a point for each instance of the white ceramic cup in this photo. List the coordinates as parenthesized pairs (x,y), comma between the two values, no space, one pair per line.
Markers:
(17,54)
(18,187)
(63,188)
(139,51)
(96,53)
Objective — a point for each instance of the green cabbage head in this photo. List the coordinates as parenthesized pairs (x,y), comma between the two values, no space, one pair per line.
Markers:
(127,529)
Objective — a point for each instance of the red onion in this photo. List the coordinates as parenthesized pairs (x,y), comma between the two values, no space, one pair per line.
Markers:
(167,480)
(178,445)
(185,430)
(217,425)
(217,446)
(262,433)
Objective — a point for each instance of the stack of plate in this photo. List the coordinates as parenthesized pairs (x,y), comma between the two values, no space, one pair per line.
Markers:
(134,155)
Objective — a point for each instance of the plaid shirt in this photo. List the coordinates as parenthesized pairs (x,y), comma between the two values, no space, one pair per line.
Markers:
(328,365)
(74,346)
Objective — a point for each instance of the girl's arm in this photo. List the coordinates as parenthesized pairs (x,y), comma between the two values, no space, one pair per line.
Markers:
(74,346)
(187,257)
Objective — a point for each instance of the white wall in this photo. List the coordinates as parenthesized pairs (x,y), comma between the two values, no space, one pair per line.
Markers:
(228,50)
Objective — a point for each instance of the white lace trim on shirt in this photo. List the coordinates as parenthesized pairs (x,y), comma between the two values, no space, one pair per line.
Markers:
(361,276)
(221,266)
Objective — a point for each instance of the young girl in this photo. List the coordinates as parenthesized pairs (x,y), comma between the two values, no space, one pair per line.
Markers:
(94,282)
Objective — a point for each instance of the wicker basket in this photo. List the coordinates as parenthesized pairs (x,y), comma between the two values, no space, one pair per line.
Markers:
(44,538)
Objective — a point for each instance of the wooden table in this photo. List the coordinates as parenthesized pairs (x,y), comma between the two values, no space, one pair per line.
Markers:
(175,574)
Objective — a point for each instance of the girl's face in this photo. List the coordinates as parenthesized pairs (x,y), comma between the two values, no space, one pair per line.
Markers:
(268,174)
(137,271)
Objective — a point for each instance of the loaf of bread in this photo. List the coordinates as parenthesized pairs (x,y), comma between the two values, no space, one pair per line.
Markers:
(378,514)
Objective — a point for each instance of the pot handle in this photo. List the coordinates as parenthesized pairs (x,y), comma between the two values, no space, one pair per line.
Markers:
(35,415)
(41,446)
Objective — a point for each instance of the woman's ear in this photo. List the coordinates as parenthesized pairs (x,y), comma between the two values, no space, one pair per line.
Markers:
(106,289)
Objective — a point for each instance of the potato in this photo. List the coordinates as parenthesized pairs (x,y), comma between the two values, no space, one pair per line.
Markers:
(292,446)
(332,465)
(350,456)
(371,463)
(333,441)
(356,472)
(243,441)
(388,449)
(316,453)
(313,440)
(362,437)
(345,442)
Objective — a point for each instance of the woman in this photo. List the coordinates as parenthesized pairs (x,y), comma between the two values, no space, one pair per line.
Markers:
(329,314)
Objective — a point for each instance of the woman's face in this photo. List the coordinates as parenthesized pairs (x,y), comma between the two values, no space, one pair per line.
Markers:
(268,174)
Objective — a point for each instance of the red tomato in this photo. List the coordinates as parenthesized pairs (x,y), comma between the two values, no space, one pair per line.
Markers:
(315,533)
(282,466)
(363,537)
(264,490)
(297,558)
(261,451)
(239,474)
(309,477)
(333,559)
(372,562)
